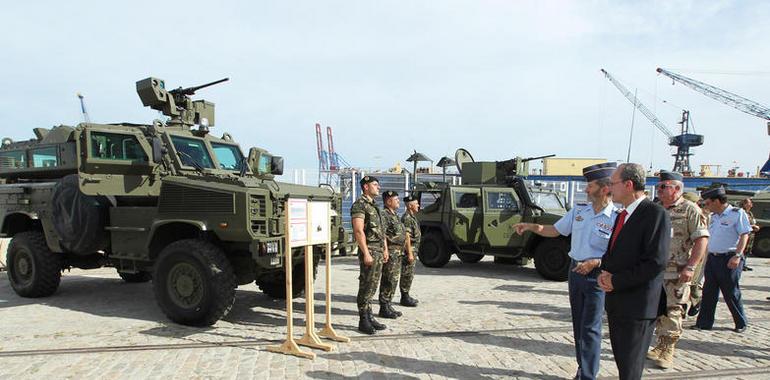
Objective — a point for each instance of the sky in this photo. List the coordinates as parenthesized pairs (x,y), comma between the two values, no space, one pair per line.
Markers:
(498,78)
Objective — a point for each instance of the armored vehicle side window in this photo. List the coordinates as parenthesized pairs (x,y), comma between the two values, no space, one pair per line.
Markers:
(44,157)
(192,150)
(115,146)
(466,200)
(13,159)
(548,201)
(228,156)
(502,201)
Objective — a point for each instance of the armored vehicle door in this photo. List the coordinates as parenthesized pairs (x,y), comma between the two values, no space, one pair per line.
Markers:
(465,219)
(502,209)
(115,161)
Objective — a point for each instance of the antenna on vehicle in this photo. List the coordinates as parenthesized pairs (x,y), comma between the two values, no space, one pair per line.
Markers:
(86,118)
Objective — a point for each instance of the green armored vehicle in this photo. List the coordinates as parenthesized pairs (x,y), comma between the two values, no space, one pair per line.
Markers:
(476,218)
(761,212)
(167,202)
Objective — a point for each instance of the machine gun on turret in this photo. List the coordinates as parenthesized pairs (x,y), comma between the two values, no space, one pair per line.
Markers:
(517,166)
(176,104)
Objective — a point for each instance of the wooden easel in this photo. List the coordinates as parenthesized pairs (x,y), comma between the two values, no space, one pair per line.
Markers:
(289,346)
(310,339)
(328,331)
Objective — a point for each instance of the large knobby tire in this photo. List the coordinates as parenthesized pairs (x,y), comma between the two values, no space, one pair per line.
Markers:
(552,260)
(33,270)
(138,277)
(274,283)
(761,246)
(194,283)
(433,251)
(469,258)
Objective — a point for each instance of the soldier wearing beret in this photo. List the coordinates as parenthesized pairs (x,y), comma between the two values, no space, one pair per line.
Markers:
(729,228)
(412,249)
(396,236)
(689,237)
(590,226)
(372,250)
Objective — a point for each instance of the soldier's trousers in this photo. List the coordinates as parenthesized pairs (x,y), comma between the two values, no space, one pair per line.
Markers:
(391,271)
(586,301)
(407,273)
(721,278)
(677,295)
(368,280)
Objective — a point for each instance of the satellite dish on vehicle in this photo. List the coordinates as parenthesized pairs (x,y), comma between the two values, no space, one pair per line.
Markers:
(461,157)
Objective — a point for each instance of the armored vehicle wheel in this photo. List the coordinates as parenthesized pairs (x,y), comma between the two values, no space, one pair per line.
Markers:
(274,283)
(141,276)
(552,259)
(194,283)
(469,258)
(34,271)
(433,252)
(761,246)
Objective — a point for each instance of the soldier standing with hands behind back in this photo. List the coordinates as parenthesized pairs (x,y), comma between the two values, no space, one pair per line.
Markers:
(397,239)
(372,251)
(689,237)
(413,246)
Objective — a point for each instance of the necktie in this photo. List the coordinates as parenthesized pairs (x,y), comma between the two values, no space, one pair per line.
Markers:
(618,227)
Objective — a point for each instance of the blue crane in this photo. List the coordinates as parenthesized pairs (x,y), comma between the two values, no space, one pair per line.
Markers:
(682,142)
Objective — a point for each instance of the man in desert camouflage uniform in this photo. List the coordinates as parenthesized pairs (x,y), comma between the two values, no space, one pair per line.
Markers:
(372,251)
(395,235)
(696,285)
(689,238)
(413,246)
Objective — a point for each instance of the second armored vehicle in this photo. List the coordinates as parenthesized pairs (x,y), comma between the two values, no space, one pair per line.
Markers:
(476,218)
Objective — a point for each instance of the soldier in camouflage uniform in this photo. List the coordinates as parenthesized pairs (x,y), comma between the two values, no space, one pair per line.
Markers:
(395,235)
(696,285)
(368,232)
(688,245)
(413,246)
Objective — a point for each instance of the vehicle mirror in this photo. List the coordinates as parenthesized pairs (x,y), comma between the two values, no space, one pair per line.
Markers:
(157,150)
(276,165)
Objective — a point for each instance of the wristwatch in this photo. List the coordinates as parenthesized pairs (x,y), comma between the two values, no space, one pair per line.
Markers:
(690,268)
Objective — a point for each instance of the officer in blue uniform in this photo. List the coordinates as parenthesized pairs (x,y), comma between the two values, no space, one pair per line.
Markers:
(729,229)
(590,225)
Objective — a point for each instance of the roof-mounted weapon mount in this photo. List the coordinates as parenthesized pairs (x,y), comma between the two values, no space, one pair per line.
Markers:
(176,103)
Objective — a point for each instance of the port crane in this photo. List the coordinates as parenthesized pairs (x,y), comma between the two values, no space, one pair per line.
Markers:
(683,141)
(736,101)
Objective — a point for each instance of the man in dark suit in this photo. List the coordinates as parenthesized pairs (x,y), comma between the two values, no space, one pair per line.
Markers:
(632,269)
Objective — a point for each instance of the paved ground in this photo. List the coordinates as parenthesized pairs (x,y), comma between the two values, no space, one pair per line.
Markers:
(474,321)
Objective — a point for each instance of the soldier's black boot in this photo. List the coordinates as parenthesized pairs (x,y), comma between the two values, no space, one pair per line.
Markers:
(408,301)
(375,324)
(387,312)
(394,311)
(365,324)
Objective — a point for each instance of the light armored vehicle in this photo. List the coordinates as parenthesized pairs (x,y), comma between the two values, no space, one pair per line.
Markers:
(761,212)
(477,218)
(167,202)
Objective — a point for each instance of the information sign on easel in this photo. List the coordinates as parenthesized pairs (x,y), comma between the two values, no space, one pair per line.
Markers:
(307,224)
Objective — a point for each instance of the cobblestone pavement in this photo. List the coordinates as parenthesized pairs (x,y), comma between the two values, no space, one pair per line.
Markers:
(474,321)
